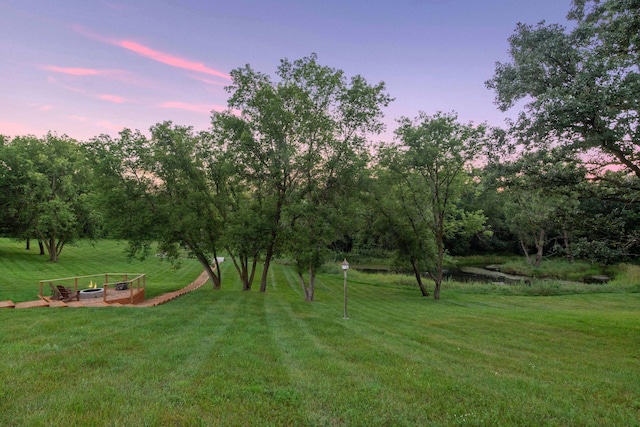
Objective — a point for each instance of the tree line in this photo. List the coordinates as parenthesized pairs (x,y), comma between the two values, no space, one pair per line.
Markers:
(289,168)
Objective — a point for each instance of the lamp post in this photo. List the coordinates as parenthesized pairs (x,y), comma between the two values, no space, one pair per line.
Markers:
(345,267)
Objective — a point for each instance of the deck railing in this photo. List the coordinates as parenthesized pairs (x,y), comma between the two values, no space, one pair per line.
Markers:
(135,281)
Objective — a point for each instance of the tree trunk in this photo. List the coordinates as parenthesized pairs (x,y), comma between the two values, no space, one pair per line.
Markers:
(310,288)
(59,247)
(312,284)
(416,272)
(304,286)
(524,248)
(567,246)
(540,248)
(52,250)
(272,245)
(241,264)
(440,259)
(436,290)
(254,265)
(41,245)
(246,284)
(28,244)
(216,279)
(265,268)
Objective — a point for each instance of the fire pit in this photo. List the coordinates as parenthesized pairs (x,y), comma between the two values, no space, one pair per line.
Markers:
(91,293)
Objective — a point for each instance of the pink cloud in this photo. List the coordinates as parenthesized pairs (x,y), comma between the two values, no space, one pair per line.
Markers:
(73,71)
(209,81)
(162,57)
(120,75)
(174,61)
(106,97)
(70,88)
(41,107)
(197,108)
(78,118)
(110,126)
(114,98)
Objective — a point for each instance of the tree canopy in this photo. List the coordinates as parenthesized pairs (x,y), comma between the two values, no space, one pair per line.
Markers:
(157,190)
(46,191)
(289,169)
(296,143)
(580,85)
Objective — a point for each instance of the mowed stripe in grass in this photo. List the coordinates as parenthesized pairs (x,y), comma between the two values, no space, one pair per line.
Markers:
(245,358)
(515,354)
(487,353)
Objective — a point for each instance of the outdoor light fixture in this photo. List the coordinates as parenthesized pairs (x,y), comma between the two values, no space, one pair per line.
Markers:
(345,267)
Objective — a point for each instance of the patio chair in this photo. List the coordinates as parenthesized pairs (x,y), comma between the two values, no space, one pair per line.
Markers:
(66,294)
(55,293)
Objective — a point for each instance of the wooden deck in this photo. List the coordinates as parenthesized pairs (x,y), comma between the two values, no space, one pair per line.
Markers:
(32,304)
(114,298)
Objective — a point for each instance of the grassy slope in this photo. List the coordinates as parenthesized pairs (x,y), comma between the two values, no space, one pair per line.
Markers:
(245,358)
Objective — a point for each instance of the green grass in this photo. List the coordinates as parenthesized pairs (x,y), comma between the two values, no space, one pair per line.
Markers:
(245,358)
(557,268)
(21,270)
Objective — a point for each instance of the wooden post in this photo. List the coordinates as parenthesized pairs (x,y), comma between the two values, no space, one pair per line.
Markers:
(106,278)
(104,292)
(41,289)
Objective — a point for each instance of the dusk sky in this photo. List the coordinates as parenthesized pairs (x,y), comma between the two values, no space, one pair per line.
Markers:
(88,67)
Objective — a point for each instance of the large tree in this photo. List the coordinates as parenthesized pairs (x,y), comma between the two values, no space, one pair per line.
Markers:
(399,216)
(157,190)
(540,194)
(580,85)
(245,233)
(292,139)
(433,163)
(46,191)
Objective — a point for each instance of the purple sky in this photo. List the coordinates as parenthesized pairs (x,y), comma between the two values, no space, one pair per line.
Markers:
(87,67)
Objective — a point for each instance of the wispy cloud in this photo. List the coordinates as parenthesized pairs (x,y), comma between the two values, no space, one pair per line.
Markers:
(197,108)
(209,81)
(120,75)
(114,98)
(110,126)
(155,55)
(77,118)
(168,59)
(69,88)
(41,107)
(74,71)
(105,96)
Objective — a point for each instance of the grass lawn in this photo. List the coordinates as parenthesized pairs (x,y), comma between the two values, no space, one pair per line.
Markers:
(243,358)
